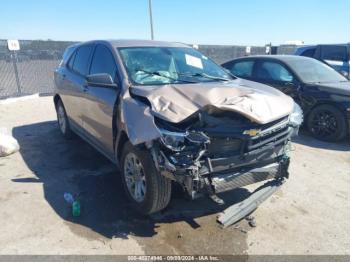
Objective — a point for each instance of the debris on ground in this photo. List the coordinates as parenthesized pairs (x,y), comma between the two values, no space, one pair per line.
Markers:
(8,144)
(251,221)
(242,230)
(69,198)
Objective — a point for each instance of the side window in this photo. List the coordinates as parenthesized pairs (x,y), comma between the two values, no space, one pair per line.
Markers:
(103,62)
(67,53)
(242,69)
(273,72)
(81,61)
(334,53)
(309,52)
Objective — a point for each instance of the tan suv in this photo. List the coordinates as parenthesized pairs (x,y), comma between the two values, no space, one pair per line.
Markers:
(164,112)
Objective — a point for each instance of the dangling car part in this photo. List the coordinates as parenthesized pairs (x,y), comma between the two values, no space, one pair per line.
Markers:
(164,112)
(240,210)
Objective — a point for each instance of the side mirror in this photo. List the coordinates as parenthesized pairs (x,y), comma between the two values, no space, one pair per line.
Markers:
(100,80)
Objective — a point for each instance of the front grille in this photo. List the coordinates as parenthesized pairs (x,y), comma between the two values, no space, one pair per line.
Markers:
(222,147)
(277,136)
(276,132)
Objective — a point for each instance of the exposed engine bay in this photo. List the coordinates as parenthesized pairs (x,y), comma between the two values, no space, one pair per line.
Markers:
(211,144)
(215,151)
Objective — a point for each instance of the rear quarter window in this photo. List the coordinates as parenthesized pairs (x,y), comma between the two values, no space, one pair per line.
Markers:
(66,55)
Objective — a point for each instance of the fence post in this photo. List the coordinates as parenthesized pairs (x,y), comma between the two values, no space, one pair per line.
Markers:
(14,60)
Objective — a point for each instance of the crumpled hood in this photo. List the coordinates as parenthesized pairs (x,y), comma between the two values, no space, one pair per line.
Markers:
(176,102)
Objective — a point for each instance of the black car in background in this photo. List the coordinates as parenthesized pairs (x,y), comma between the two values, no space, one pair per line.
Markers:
(336,56)
(322,92)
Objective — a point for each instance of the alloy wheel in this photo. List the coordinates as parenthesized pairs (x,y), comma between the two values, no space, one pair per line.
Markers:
(324,124)
(135,177)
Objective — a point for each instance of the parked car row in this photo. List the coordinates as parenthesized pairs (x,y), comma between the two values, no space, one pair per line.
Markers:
(164,112)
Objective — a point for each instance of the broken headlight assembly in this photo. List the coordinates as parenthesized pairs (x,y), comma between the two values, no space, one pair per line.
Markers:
(175,141)
(296,117)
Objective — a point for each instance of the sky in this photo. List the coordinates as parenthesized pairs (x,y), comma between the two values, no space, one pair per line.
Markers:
(240,22)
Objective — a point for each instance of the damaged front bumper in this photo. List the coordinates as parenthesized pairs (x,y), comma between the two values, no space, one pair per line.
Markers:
(242,209)
(227,161)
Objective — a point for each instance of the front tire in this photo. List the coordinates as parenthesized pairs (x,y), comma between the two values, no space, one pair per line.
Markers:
(62,120)
(327,123)
(146,188)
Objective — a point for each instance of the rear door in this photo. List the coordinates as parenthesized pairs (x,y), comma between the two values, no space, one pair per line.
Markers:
(74,79)
(99,101)
(276,74)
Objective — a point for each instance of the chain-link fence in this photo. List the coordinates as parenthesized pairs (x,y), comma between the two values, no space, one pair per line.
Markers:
(222,53)
(30,70)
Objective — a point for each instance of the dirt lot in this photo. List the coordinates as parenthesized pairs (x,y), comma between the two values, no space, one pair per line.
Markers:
(309,215)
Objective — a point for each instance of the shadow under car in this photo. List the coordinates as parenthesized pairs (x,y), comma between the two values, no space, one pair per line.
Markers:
(75,167)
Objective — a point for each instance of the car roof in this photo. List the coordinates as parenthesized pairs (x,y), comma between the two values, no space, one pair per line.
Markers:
(282,58)
(323,45)
(137,43)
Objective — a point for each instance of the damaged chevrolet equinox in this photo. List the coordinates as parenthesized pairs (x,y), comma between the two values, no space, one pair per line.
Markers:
(164,112)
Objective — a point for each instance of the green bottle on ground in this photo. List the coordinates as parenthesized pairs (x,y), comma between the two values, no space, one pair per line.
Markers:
(76,208)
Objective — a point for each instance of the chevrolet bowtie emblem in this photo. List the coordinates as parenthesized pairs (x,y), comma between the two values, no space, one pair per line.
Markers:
(252,132)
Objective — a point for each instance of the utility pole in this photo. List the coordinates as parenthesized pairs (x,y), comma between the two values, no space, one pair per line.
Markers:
(151,17)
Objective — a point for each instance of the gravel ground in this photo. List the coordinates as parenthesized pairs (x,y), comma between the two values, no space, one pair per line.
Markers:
(309,215)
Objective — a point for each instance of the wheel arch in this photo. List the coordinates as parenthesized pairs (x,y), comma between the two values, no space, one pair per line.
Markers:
(56,98)
(119,143)
(329,103)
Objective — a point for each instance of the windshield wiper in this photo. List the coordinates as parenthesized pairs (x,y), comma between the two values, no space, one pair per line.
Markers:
(203,75)
(156,73)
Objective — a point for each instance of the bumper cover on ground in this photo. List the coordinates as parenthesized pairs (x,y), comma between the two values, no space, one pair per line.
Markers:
(240,210)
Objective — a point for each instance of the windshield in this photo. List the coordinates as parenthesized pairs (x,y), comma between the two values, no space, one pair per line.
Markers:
(165,65)
(313,71)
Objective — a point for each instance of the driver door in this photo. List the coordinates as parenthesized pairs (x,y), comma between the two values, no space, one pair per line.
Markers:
(277,75)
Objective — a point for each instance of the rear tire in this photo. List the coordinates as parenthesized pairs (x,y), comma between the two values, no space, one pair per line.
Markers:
(154,190)
(62,120)
(327,123)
